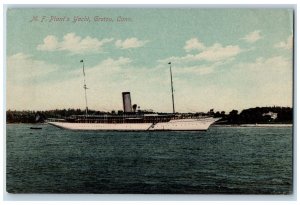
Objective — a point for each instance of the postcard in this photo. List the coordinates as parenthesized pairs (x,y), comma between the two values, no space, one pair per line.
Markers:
(149,100)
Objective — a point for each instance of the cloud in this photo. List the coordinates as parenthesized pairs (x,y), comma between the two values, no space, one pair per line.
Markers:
(130,43)
(110,65)
(22,67)
(214,53)
(276,65)
(266,81)
(193,44)
(30,84)
(252,37)
(287,44)
(50,44)
(118,62)
(25,76)
(73,44)
(194,70)
(217,52)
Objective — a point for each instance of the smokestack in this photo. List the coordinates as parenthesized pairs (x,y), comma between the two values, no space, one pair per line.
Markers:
(126,102)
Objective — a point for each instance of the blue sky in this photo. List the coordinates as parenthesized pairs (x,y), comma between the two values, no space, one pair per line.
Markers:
(221,58)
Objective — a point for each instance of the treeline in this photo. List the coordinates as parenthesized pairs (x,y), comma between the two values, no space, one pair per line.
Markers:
(259,115)
(247,116)
(13,116)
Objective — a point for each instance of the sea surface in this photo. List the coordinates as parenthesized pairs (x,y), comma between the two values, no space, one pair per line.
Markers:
(230,160)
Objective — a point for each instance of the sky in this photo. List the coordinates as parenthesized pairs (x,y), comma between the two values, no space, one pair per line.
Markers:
(222,59)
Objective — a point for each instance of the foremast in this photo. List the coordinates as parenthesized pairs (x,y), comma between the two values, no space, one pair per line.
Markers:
(85,88)
(172,90)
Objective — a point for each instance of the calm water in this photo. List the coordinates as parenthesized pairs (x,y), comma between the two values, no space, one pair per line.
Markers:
(221,160)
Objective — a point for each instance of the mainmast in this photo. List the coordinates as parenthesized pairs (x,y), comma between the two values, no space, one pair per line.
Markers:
(85,88)
(172,88)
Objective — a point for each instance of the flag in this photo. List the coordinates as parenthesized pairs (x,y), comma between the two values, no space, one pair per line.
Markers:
(82,67)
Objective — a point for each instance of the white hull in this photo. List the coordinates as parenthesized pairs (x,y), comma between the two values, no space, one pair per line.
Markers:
(173,125)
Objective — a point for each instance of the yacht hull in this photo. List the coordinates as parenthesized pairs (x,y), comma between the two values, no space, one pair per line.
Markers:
(172,125)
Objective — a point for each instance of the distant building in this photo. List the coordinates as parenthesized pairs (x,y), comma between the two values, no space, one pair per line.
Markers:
(273,115)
